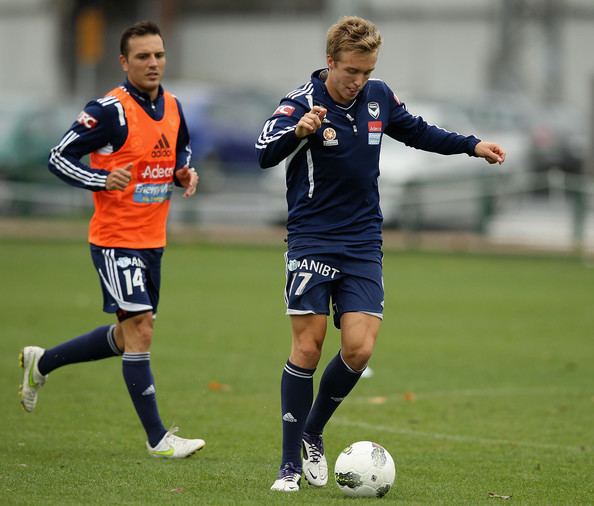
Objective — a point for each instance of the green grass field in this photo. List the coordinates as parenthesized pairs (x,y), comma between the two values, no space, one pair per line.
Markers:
(484,381)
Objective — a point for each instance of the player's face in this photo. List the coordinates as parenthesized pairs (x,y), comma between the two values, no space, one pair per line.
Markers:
(145,63)
(348,73)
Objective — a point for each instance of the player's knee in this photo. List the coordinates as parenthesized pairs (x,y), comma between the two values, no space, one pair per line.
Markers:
(145,334)
(357,357)
(145,339)
(138,333)
(307,354)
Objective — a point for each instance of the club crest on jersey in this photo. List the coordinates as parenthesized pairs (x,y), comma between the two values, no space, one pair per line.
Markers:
(86,120)
(287,110)
(373,109)
(329,135)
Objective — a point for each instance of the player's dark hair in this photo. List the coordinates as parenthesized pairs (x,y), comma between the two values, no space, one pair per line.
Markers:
(138,30)
(352,33)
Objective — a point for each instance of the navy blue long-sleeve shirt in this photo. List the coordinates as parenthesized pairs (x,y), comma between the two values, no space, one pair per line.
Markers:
(332,175)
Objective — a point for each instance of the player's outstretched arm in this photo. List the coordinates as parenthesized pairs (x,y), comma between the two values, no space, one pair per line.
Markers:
(490,151)
(188,178)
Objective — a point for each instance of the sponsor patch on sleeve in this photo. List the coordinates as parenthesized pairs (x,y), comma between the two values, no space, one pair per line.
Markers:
(287,110)
(86,120)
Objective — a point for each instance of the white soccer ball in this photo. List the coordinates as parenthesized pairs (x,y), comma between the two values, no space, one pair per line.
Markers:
(365,469)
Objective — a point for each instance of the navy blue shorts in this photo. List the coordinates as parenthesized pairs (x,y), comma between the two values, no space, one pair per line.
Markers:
(130,278)
(314,281)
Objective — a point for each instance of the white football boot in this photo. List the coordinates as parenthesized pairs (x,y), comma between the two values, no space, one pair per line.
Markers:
(315,466)
(175,447)
(288,479)
(33,380)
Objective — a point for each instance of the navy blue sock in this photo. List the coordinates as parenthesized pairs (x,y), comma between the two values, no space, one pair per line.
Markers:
(139,380)
(336,383)
(296,399)
(95,345)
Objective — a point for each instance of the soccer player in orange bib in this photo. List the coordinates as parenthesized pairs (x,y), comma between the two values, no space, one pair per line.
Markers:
(139,149)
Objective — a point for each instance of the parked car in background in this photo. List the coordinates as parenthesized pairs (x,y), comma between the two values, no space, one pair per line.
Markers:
(419,189)
(559,140)
(28,131)
(556,133)
(224,124)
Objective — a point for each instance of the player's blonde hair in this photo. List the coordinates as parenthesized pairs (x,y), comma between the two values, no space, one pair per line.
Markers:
(352,33)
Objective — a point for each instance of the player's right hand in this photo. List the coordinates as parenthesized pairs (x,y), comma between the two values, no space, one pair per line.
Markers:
(310,121)
(118,179)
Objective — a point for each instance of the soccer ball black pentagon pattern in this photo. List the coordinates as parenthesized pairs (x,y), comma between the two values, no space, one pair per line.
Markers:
(365,469)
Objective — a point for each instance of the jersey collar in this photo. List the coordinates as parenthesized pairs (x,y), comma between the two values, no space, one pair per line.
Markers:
(139,95)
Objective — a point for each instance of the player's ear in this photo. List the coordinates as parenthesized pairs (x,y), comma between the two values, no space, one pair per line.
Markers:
(330,61)
(124,63)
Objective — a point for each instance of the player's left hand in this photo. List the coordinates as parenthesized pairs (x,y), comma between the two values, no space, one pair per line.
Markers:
(188,178)
(490,151)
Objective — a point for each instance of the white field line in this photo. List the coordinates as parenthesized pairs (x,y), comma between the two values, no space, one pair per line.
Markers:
(456,438)
(482,392)
(500,392)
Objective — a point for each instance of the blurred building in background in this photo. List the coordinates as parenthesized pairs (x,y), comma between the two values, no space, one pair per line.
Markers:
(537,47)
(515,71)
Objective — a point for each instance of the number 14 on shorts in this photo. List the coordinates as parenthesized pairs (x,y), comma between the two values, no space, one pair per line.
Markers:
(133,279)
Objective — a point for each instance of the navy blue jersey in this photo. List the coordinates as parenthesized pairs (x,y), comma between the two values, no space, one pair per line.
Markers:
(332,175)
(102,127)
